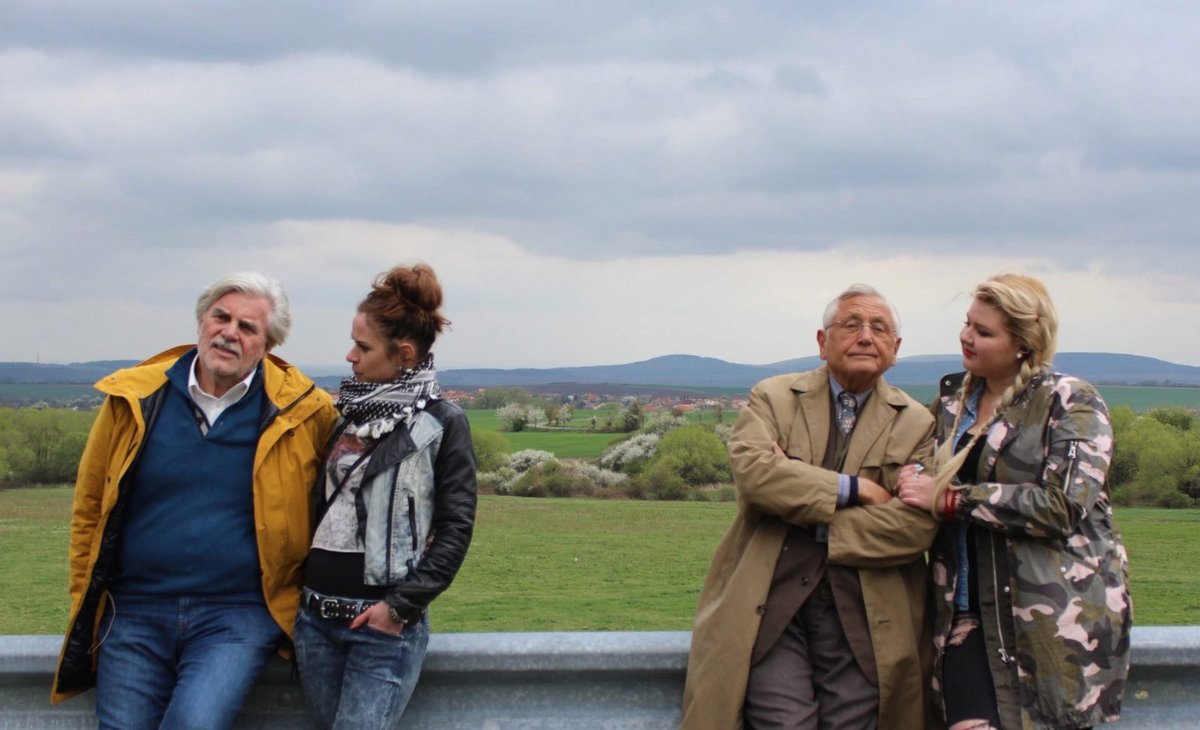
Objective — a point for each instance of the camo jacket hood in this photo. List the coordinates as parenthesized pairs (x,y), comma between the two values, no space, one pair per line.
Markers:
(1051,568)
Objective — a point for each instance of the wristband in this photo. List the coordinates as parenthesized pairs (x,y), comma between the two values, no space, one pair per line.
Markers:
(949,504)
(852,499)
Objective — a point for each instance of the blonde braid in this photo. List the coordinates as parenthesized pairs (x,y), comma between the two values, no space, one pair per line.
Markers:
(947,460)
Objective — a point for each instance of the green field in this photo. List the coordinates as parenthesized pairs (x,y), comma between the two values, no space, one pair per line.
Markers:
(571,565)
(565,444)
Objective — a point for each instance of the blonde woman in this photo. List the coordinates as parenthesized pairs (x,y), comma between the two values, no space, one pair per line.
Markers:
(1029,573)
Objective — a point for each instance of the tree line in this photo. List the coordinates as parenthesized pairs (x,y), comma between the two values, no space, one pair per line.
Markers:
(1156,459)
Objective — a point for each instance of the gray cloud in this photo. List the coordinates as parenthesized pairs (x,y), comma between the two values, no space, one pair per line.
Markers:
(150,131)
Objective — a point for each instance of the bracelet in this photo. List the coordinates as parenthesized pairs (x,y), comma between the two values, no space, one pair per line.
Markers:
(852,498)
(949,504)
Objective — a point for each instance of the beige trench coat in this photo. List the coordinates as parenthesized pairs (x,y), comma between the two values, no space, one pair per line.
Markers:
(886,543)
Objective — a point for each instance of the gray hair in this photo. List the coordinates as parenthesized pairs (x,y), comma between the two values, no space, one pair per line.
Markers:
(858,290)
(279,319)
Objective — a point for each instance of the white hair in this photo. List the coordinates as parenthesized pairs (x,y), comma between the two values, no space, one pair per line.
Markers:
(279,319)
(858,290)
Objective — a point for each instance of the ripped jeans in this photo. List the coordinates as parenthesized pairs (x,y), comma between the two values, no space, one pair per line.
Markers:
(966,677)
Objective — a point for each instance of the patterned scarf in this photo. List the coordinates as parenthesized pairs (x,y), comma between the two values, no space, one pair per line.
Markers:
(373,409)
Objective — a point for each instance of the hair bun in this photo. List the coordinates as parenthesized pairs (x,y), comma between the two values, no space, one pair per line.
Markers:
(417,286)
(406,302)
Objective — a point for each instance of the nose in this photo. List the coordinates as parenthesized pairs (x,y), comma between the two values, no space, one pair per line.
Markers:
(351,356)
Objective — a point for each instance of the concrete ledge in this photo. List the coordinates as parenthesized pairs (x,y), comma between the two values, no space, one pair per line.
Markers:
(561,680)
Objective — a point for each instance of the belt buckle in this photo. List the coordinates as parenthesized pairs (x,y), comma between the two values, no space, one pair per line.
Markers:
(329,608)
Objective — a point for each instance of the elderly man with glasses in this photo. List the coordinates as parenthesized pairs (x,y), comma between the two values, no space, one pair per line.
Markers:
(813,614)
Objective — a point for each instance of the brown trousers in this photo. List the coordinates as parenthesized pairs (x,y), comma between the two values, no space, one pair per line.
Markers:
(813,665)
(809,679)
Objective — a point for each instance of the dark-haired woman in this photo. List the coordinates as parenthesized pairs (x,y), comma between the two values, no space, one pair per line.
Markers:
(394,514)
(1029,572)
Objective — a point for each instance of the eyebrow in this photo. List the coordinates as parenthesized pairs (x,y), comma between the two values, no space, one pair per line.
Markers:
(860,318)
(247,324)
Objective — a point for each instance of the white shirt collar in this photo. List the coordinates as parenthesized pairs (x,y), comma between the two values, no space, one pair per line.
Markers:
(211,405)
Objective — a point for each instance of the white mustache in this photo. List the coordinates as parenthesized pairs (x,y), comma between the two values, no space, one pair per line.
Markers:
(227,345)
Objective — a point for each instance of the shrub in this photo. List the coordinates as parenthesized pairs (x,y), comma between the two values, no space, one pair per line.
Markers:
(596,475)
(631,417)
(695,454)
(659,423)
(513,416)
(498,397)
(631,455)
(491,450)
(1178,418)
(42,445)
(526,459)
(659,482)
(498,481)
(553,479)
(563,479)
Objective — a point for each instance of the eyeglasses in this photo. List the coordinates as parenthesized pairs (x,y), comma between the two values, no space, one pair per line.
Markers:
(851,327)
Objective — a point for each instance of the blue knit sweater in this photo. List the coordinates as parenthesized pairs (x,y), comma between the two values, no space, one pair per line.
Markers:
(189,524)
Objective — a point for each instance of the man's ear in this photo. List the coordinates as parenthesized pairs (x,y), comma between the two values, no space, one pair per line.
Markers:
(821,335)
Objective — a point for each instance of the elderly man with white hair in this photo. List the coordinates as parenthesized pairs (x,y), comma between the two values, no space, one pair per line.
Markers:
(814,611)
(191,518)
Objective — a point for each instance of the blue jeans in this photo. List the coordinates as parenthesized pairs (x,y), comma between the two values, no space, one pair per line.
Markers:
(180,662)
(360,679)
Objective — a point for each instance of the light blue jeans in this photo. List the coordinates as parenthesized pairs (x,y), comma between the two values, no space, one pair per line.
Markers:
(180,662)
(360,679)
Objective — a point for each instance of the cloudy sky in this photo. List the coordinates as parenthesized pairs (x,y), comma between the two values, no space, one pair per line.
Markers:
(598,182)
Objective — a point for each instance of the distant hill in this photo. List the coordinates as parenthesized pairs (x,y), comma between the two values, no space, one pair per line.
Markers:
(689,370)
(77,372)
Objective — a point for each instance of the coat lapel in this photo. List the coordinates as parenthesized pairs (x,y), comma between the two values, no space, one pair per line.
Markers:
(809,430)
(874,420)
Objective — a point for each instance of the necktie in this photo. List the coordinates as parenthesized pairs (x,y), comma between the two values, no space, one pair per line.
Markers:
(847,412)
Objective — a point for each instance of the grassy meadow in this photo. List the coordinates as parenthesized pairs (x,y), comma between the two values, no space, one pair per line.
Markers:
(575,442)
(563,443)
(570,564)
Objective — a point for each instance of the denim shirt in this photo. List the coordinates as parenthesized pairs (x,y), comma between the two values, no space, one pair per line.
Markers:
(962,601)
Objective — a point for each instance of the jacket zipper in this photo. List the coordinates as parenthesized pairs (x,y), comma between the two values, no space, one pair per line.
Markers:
(387,543)
(1072,458)
(412,526)
(1002,651)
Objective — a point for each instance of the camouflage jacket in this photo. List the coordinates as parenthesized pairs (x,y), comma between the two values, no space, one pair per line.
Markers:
(1051,571)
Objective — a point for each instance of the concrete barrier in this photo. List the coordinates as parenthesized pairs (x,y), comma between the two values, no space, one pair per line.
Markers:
(562,680)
